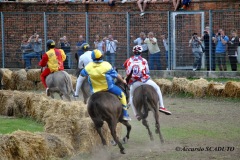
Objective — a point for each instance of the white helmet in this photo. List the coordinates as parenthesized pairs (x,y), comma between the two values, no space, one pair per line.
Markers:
(137,49)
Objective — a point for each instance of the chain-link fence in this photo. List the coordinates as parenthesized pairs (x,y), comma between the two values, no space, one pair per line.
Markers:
(125,27)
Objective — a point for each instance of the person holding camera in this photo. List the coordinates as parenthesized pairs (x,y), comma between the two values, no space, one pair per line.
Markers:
(197,51)
(140,41)
(232,50)
(154,51)
(221,41)
(205,38)
(26,49)
(111,48)
(66,47)
(99,44)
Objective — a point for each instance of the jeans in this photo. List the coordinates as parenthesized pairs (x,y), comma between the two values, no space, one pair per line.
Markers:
(28,56)
(197,60)
(111,58)
(68,61)
(154,59)
(166,59)
(221,61)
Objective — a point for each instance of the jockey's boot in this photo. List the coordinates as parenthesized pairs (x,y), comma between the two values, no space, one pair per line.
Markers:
(164,110)
(125,114)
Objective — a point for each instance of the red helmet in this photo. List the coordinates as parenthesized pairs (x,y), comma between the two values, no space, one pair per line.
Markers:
(137,50)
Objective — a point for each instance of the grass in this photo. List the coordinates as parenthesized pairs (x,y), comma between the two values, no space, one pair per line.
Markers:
(9,125)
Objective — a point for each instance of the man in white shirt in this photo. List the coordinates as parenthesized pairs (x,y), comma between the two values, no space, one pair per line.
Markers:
(84,59)
(140,41)
(111,47)
(165,43)
(154,50)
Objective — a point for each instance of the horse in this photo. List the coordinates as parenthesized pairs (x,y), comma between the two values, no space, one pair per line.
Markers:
(104,106)
(85,88)
(61,83)
(145,99)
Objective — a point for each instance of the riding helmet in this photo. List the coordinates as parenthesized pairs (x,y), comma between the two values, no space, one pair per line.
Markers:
(85,47)
(50,44)
(97,55)
(137,50)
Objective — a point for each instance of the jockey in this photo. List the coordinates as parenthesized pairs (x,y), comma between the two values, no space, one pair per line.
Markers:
(101,75)
(138,67)
(53,59)
(84,59)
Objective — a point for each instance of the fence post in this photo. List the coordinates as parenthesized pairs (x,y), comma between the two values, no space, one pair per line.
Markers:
(45,30)
(210,40)
(3,47)
(169,41)
(128,34)
(87,29)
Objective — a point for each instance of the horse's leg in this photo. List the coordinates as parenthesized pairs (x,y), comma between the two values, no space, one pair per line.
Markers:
(145,123)
(157,125)
(128,126)
(68,97)
(98,125)
(112,124)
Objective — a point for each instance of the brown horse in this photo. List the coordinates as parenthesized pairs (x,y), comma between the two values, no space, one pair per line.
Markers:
(105,106)
(145,99)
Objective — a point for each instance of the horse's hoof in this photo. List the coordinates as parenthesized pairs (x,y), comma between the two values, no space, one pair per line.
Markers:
(151,138)
(122,151)
(113,142)
(125,140)
(156,131)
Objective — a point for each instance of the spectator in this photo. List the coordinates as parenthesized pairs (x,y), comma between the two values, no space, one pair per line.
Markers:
(78,47)
(232,50)
(111,48)
(221,45)
(205,39)
(176,4)
(99,44)
(238,57)
(26,49)
(66,47)
(165,43)
(195,43)
(143,6)
(140,41)
(154,51)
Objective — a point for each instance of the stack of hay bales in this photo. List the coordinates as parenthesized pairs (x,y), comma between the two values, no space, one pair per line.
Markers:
(198,87)
(33,75)
(180,85)
(6,78)
(165,85)
(20,82)
(23,145)
(69,122)
(215,89)
(232,89)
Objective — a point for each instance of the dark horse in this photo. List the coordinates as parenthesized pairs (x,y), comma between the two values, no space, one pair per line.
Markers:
(105,106)
(145,99)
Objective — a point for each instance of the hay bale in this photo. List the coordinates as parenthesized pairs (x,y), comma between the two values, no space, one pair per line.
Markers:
(23,145)
(179,85)
(232,89)
(165,85)
(34,75)
(215,89)
(40,86)
(6,78)
(198,87)
(74,80)
(20,82)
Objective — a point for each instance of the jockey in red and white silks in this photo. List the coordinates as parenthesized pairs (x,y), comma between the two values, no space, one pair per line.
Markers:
(138,67)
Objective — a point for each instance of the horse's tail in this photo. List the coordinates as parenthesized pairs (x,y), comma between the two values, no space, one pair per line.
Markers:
(145,104)
(68,81)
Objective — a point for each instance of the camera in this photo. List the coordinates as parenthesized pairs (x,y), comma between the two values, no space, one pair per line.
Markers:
(219,34)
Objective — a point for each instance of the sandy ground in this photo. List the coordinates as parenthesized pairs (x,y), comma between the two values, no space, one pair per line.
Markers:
(197,129)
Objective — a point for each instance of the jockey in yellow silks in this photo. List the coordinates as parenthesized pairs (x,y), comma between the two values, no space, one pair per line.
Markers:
(101,78)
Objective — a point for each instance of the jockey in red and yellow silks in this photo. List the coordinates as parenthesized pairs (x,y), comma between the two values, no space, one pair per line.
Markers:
(53,59)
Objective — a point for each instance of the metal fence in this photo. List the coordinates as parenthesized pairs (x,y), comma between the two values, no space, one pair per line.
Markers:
(124,26)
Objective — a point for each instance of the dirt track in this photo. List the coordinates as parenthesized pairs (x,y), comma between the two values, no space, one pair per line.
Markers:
(201,128)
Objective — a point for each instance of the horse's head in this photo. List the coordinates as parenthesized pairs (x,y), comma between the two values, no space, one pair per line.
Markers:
(123,87)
